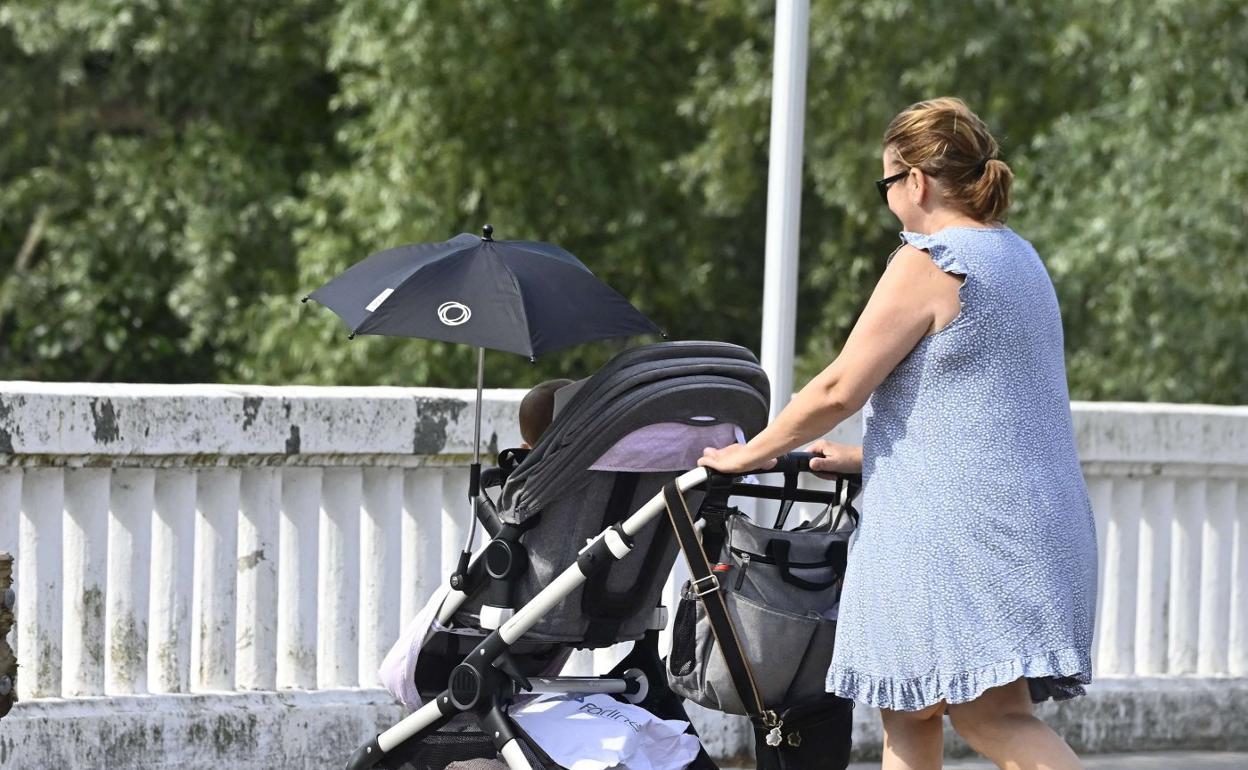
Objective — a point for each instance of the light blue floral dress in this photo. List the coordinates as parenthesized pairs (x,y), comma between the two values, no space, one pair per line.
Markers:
(975,562)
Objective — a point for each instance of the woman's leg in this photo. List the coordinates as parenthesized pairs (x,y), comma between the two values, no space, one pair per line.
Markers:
(913,740)
(1000,725)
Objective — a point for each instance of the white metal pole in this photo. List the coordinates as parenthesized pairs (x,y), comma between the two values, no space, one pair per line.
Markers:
(784,197)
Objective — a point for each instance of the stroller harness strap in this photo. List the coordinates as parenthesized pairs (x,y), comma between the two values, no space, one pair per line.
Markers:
(607,608)
(706,584)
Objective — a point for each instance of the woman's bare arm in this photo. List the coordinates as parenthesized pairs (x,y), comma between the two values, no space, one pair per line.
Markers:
(911,300)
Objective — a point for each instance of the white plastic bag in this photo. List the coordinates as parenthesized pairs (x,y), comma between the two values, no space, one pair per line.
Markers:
(594,732)
(398,669)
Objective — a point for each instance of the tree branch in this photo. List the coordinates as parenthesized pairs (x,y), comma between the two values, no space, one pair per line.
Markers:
(34,234)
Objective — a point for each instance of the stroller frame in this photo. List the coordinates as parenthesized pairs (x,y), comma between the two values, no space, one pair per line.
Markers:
(487,678)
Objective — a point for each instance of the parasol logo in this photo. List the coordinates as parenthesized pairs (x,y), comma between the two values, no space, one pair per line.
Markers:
(454,313)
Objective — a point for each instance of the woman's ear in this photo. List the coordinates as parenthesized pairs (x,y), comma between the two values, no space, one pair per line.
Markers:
(917,187)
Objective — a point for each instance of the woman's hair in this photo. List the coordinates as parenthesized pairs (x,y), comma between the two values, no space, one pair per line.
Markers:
(944,139)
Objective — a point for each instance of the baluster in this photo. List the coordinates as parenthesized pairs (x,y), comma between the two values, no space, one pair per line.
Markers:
(1121,578)
(173,557)
(1215,578)
(607,658)
(256,643)
(456,517)
(10,517)
(10,508)
(1101,495)
(338,579)
(216,558)
(296,578)
(380,567)
(422,540)
(86,563)
(1151,608)
(37,580)
(129,564)
(1183,641)
(579,663)
(1237,655)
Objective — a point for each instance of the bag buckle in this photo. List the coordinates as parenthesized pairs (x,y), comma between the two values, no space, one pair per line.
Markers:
(699,591)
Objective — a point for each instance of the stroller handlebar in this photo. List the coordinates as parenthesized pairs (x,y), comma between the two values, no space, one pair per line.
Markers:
(791,463)
(794,462)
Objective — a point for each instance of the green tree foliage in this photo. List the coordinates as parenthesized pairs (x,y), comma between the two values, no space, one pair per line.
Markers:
(149,152)
(176,174)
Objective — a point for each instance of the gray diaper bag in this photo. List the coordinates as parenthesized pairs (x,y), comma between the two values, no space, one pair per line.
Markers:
(781,589)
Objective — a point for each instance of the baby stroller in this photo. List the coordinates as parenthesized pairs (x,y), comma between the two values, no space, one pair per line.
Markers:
(559,571)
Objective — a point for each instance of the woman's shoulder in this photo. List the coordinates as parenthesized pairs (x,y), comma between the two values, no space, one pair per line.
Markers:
(960,249)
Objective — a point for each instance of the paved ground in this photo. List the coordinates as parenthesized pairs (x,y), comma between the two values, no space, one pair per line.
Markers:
(1197,760)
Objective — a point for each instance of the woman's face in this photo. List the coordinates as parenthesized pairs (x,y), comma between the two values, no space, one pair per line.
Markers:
(901,195)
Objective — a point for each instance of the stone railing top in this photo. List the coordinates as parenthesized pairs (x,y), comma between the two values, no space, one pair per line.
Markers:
(1109,431)
(117,419)
(39,418)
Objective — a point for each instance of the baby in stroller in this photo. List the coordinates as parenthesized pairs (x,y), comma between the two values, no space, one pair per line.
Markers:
(580,549)
(537,410)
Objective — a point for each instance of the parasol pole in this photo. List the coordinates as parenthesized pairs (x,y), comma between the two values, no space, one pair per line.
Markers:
(474,473)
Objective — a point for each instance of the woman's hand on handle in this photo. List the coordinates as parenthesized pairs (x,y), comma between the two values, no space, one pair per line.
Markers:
(837,458)
(733,459)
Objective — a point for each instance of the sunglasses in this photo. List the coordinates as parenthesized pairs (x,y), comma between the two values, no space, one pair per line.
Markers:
(883,184)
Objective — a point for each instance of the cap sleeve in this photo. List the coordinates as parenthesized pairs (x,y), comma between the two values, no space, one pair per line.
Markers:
(944,257)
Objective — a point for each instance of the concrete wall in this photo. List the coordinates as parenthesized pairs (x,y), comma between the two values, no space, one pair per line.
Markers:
(209,575)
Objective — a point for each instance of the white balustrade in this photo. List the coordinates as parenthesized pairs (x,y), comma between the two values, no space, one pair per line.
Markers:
(1215,577)
(225,539)
(172,575)
(213,600)
(85,554)
(1121,567)
(381,564)
(1237,659)
(1101,495)
(1151,610)
(296,576)
(1184,603)
(420,540)
(256,648)
(131,504)
(456,513)
(10,508)
(38,579)
(337,649)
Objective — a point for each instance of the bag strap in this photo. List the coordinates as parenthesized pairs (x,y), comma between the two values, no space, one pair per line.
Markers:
(790,486)
(778,549)
(714,514)
(706,585)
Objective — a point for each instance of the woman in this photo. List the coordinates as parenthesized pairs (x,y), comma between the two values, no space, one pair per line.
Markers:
(971,585)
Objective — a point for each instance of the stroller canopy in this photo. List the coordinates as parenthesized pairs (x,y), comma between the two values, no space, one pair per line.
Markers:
(713,388)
